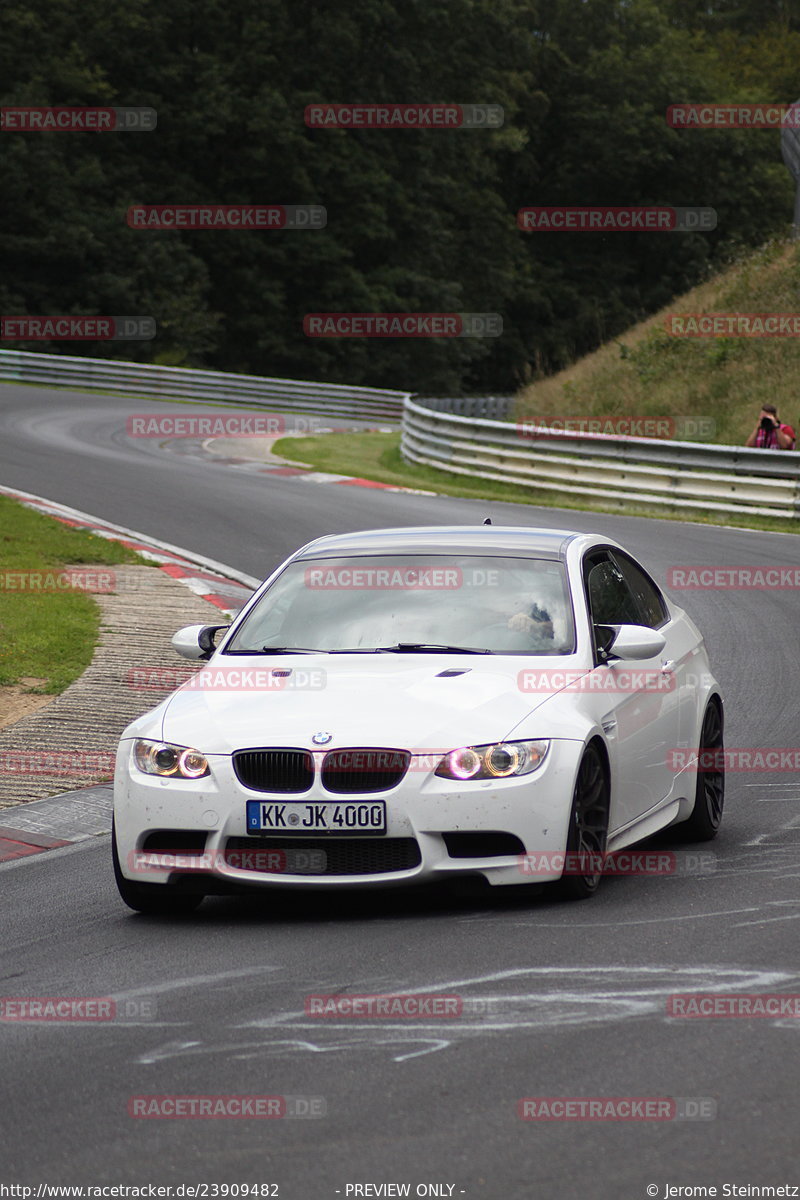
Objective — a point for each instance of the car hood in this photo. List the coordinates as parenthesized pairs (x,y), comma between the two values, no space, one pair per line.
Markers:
(383,700)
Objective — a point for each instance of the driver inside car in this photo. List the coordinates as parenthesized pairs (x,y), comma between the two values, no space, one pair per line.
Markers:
(537,623)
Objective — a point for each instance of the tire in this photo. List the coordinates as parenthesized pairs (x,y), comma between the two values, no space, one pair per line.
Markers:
(157,899)
(709,797)
(588,823)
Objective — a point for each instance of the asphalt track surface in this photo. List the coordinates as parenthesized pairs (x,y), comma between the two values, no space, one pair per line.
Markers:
(566,999)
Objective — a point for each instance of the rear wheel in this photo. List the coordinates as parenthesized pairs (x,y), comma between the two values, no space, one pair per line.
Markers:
(709,798)
(588,827)
(163,899)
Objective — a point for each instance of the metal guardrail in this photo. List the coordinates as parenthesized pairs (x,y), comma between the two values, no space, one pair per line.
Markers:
(688,475)
(144,379)
(469,436)
(498,408)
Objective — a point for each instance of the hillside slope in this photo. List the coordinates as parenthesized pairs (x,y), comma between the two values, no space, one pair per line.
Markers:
(650,372)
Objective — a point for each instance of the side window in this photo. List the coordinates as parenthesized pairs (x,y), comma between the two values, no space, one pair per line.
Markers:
(610,599)
(650,601)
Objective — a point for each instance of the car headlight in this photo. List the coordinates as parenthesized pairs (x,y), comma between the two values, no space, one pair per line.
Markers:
(499,761)
(162,758)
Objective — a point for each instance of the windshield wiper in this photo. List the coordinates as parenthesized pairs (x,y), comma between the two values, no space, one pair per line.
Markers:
(399,648)
(429,647)
(286,650)
(355,650)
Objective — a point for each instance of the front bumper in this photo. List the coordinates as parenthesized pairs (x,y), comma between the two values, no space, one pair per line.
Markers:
(534,809)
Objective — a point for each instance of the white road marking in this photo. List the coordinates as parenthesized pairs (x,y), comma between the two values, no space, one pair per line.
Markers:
(612,994)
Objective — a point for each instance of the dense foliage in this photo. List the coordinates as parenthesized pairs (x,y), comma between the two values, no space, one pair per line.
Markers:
(417,221)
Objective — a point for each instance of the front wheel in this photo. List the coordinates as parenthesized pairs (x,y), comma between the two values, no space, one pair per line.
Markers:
(709,796)
(157,899)
(588,827)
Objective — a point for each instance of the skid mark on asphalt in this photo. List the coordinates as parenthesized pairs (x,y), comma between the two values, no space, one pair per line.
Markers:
(534,924)
(562,997)
(785,838)
(792,916)
(189,981)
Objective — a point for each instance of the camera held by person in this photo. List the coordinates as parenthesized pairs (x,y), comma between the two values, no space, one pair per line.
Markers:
(770,433)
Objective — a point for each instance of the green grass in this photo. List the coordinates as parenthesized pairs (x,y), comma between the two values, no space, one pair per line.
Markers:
(646,372)
(649,372)
(377,456)
(47,635)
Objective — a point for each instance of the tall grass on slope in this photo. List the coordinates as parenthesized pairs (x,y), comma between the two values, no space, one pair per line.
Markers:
(649,372)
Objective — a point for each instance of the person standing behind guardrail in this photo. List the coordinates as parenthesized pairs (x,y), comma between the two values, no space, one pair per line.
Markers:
(771,433)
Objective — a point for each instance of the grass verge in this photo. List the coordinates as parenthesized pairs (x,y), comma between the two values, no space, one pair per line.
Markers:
(377,456)
(47,635)
(649,372)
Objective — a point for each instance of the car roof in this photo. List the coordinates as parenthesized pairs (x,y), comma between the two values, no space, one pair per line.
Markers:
(445,539)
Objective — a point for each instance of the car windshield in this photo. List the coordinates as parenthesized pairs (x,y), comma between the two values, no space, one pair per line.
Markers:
(413,603)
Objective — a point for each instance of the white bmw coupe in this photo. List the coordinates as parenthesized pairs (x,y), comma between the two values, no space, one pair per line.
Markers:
(408,705)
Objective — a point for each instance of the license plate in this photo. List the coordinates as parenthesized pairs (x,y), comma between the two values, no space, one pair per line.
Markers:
(295,817)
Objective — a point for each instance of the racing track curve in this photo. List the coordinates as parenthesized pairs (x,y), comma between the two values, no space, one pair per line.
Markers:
(569,998)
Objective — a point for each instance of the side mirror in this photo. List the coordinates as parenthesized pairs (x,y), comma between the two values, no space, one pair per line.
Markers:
(632,642)
(196,641)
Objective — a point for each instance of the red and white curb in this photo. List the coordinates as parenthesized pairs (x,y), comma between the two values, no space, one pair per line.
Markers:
(222,586)
(55,822)
(286,469)
(12,846)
